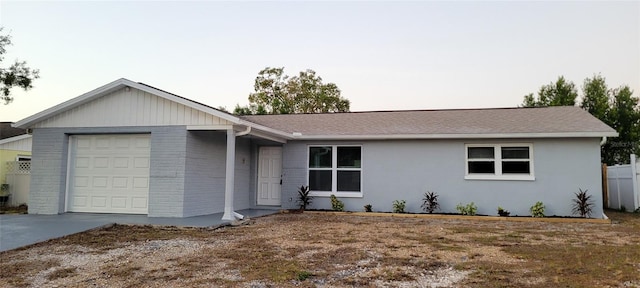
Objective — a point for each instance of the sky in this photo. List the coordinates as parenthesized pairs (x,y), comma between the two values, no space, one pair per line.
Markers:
(382,55)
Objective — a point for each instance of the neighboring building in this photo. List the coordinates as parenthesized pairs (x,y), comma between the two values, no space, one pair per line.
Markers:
(17,148)
(127,147)
(8,131)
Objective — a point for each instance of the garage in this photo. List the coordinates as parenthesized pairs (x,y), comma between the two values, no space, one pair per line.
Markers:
(108,173)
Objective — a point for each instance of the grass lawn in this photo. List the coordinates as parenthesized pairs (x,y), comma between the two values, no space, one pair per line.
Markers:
(325,250)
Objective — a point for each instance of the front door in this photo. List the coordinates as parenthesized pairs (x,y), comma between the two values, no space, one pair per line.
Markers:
(269,176)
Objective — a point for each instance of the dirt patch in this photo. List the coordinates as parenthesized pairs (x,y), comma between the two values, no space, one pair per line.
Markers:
(324,250)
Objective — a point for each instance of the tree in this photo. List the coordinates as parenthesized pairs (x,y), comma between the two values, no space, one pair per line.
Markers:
(16,75)
(595,98)
(277,93)
(625,115)
(615,107)
(560,93)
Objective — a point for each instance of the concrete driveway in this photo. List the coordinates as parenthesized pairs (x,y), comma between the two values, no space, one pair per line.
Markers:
(22,230)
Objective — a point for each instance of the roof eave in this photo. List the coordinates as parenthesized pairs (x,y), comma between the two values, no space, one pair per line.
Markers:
(458,136)
(15,138)
(113,86)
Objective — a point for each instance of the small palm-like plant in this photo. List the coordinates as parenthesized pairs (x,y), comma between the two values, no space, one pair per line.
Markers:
(430,202)
(582,204)
(304,199)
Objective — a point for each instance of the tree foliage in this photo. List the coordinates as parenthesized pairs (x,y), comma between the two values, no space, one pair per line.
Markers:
(615,107)
(560,93)
(16,75)
(277,93)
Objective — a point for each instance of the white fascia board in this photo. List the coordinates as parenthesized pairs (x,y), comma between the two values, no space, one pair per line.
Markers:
(267,136)
(15,138)
(458,136)
(266,129)
(86,97)
(209,127)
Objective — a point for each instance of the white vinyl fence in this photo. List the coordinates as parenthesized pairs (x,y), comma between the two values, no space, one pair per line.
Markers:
(18,178)
(623,182)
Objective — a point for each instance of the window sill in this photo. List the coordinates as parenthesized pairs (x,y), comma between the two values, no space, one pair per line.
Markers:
(501,177)
(338,194)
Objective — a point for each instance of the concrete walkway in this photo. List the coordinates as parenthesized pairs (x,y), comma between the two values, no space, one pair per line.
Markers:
(22,230)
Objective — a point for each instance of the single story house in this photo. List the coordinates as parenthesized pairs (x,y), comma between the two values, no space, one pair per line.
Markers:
(127,147)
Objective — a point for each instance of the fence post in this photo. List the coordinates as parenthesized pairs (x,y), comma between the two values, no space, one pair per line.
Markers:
(605,187)
(634,179)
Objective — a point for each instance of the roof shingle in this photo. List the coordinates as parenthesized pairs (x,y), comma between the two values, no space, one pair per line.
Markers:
(564,119)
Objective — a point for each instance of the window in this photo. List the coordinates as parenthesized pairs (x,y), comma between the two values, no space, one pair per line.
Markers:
(499,162)
(335,170)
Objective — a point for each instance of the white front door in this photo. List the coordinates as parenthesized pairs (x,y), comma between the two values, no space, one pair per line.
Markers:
(269,176)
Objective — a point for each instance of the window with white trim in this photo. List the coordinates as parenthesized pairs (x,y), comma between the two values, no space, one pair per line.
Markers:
(335,169)
(513,161)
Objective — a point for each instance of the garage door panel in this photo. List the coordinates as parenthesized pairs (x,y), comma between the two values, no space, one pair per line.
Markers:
(110,174)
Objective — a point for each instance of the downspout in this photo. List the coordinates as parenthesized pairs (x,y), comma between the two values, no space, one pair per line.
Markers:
(230,171)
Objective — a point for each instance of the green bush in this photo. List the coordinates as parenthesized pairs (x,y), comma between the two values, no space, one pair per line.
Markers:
(336,204)
(469,209)
(537,210)
(368,208)
(398,206)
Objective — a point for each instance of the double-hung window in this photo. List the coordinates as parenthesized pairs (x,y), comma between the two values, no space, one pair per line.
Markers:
(335,169)
(499,161)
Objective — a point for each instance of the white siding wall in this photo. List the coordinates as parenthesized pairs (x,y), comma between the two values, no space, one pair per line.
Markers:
(130,107)
(18,145)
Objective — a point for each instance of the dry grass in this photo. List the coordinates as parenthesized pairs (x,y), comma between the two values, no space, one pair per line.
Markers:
(325,250)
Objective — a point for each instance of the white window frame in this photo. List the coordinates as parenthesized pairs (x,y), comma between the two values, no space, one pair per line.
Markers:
(334,172)
(497,162)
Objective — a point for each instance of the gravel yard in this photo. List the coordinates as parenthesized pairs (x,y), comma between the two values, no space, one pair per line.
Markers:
(326,250)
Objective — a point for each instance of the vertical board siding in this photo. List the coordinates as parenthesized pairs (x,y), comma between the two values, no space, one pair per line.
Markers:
(130,108)
(19,145)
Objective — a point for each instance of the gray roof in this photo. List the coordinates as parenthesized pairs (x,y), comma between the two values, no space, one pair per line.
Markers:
(565,121)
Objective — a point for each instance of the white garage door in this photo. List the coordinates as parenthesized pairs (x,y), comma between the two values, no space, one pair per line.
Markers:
(109,173)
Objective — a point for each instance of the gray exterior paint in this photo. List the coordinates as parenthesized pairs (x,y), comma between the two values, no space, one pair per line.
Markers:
(187,170)
(205,173)
(404,170)
(187,173)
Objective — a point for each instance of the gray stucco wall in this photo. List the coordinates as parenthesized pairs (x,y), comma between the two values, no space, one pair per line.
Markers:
(187,174)
(205,173)
(404,170)
(49,168)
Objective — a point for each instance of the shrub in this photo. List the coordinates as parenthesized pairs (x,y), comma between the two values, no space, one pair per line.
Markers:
(623,208)
(503,212)
(537,210)
(336,204)
(398,206)
(469,209)
(303,275)
(430,202)
(304,199)
(582,204)
(368,208)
